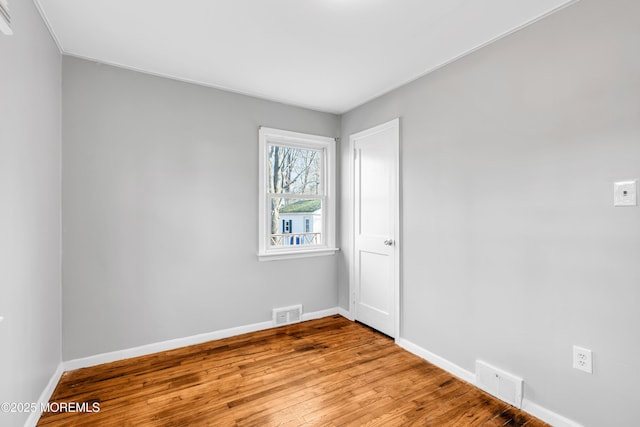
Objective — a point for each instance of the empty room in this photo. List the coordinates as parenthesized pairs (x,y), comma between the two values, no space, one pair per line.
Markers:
(319,213)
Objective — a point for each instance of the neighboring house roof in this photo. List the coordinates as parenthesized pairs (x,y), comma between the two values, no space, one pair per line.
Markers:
(302,206)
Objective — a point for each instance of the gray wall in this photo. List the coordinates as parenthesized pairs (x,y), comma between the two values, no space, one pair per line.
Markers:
(29,210)
(513,251)
(160,193)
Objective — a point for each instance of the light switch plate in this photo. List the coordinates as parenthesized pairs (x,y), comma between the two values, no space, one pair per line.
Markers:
(625,193)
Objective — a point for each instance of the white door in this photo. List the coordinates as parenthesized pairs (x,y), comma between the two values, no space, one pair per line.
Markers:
(375,291)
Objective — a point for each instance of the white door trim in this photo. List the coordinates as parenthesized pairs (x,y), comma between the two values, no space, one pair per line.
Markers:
(395,125)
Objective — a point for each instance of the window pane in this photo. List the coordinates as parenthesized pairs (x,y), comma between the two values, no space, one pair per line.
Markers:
(294,170)
(295,222)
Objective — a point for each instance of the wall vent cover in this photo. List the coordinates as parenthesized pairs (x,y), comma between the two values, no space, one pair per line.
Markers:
(499,383)
(287,315)
(5,18)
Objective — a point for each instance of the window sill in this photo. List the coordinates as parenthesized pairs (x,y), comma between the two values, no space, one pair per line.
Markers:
(275,256)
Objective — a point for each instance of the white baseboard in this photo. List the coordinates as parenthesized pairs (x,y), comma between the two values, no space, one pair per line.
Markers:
(320,314)
(547,416)
(344,313)
(528,406)
(32,421)
(144,350)
(440,362)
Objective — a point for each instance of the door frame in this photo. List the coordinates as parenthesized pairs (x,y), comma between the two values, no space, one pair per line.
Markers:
(395,125)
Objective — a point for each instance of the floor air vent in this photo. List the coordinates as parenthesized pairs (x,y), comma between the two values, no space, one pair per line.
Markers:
(499,383)
(287,315)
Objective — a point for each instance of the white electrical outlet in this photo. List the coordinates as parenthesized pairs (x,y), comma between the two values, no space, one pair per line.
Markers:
(1,318)
(582,359)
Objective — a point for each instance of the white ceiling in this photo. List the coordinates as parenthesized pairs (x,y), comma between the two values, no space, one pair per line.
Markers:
(329,55)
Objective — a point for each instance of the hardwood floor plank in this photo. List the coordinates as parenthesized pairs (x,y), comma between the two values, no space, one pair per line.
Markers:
(325,372)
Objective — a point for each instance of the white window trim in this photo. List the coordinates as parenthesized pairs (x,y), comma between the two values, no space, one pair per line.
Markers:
(5,18)
(302,140)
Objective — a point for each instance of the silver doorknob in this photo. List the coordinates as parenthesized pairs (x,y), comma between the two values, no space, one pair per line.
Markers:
(388,242)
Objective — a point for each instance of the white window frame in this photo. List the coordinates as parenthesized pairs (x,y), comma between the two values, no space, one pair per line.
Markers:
(327,146)
(5,18)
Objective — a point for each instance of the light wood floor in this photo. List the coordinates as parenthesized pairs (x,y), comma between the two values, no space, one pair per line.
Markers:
(326,372)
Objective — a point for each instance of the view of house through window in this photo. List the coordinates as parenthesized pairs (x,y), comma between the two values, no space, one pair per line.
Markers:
(296,194)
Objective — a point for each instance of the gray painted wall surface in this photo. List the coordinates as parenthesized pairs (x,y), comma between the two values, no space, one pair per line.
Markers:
(513,251)
(29,209)
(160,192)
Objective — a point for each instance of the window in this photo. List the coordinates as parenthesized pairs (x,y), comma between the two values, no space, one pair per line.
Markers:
(296,207)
